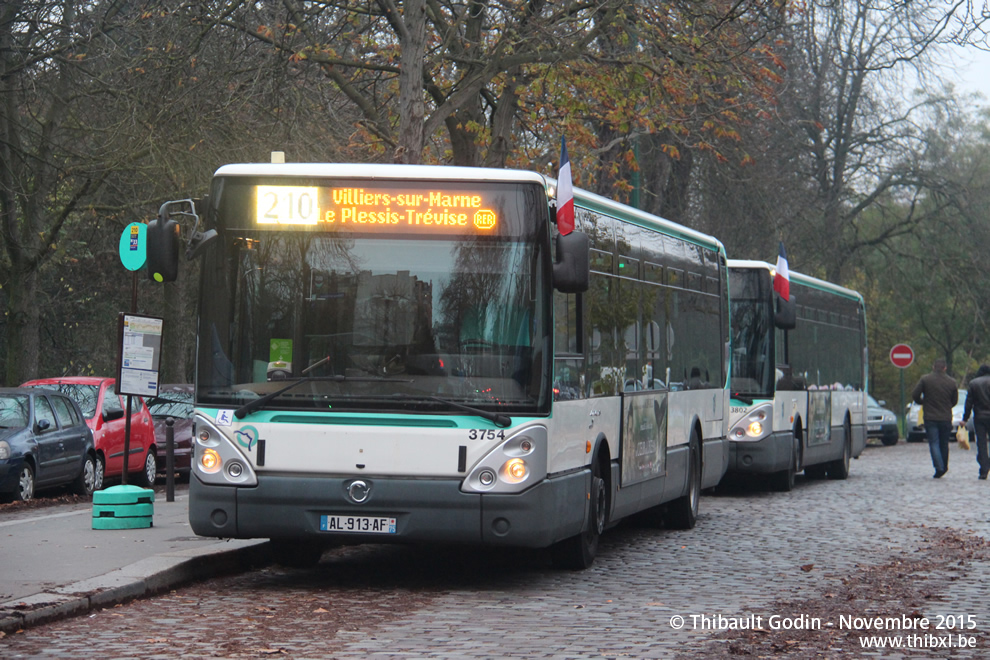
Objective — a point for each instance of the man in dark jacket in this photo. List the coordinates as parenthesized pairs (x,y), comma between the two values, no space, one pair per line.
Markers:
(978,403)
(937,393)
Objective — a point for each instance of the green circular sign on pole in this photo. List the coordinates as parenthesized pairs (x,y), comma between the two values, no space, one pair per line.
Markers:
(134,246)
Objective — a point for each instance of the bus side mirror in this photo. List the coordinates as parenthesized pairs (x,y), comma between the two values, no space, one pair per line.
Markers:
(163,249)
(785,317)
(570,272)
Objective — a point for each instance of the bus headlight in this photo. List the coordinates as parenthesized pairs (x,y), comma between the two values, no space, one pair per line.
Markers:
(209,461)
(518,462)
(514,470)
(218,460)
(207,439)
(755,425)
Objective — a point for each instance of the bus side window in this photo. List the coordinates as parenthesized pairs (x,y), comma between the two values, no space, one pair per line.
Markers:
(568,364)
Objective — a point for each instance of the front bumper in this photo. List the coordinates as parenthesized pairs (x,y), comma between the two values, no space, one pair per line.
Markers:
(771,454)
(432,510)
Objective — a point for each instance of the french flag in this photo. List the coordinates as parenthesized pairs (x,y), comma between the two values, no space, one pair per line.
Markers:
(565,193)
(782,279)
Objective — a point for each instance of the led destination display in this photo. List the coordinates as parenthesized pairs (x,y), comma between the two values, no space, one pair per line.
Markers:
(370,210)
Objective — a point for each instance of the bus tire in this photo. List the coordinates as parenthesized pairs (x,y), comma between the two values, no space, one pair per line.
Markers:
(296,553)
(682,513)
(783,481)
(815,471)
(839,468)
(578,552)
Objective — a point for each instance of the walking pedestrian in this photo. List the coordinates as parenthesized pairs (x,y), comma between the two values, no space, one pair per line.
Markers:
(936,392)
(978,403)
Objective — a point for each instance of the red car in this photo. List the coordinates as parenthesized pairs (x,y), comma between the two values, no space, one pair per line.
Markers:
(104,411)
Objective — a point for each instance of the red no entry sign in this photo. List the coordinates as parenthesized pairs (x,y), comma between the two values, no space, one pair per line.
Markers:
(901,356)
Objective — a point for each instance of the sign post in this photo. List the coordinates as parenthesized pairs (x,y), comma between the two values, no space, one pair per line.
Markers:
(137,365)
(902,357)
(133,246)
(133,251)
(140,344)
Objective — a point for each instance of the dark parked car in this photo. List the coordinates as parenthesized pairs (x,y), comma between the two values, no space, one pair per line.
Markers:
(175,401)
(880,422)
(44,442)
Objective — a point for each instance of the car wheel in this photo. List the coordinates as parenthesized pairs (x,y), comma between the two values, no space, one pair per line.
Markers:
(100,470)
(85,483)
(889,440)
(150,469)
(25,484)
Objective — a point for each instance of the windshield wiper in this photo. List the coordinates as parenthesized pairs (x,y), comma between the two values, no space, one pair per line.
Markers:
(498,419)
(255,404)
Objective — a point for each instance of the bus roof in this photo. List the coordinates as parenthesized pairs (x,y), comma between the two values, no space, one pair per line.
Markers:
(642,218)
(371,171)
(807,280)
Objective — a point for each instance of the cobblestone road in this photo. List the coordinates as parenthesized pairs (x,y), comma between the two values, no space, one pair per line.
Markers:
(753,554)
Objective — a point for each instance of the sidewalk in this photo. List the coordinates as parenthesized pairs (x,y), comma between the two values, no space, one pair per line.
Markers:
(56,565)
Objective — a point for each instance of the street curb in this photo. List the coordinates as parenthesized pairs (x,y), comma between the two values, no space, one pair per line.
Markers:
(147,577)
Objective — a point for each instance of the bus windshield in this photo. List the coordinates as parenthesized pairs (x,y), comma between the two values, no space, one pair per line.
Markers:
(371,319)
(752,334)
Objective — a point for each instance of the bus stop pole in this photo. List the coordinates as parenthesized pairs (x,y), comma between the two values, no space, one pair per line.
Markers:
(127,424)
(169,460)
(127,442)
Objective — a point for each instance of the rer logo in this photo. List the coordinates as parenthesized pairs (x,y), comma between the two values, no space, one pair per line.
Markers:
(247,437)
(484,219)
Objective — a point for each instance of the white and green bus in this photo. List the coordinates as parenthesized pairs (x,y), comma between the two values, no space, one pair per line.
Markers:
(799,377)
(393,353)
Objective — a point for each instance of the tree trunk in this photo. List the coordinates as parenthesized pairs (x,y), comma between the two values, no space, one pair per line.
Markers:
(676,190)
(464,147)
(411,104)
(23,324)
(503,123)
(174,366)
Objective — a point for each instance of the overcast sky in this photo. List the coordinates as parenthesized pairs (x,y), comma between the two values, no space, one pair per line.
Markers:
(973,72)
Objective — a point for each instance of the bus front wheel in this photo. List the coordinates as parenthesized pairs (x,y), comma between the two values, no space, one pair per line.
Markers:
(783,481)
(578,552)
